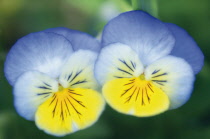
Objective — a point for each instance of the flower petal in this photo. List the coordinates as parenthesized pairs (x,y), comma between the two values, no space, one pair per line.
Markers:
(44,52)
(78,39)
(135,97)
(117,61)
(78,71)
(32,89)
(174,76)
(185,47)
(69,111)
(146,35)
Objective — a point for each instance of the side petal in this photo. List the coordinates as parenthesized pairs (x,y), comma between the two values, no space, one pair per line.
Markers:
(135,97)
(186,48)
(78,72)
(69,111)
(146,35)
(174,76)
(78,39)
(32,89)
(43,52)
(117,61)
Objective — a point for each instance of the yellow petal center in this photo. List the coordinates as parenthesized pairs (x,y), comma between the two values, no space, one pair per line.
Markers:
(135,96)
(69,110)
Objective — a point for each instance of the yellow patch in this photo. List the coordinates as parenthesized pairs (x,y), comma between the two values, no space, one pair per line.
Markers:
(69,110)
(135,96)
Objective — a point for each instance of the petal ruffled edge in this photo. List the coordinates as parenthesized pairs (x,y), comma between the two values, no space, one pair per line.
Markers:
(186,48)
(78,39)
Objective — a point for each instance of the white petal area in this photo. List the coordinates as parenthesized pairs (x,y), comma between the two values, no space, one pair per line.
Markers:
(32,89)
(117,61)
(78,72)
(43,52)
(174,76)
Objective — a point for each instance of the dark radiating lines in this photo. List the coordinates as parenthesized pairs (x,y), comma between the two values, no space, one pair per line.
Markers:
(150,87)
(126,64)
(156,71)
(76,75)
(46,90)
(133,64)
(79,82)
(125,91)
(137,94)
(129,83)
(124,71)
(159,75)
(61,105)
(43,87)
(137,90)
(72,92)
(46,93)
(160,82)
(55,108)
(129,70)
(67,107)
(129,98)
(47,84)
(71,78)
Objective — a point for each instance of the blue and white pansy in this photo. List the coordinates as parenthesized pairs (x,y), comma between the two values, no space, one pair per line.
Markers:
(146,66)
(52,73)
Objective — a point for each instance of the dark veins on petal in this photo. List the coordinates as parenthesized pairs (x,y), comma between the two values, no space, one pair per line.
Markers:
(156,74)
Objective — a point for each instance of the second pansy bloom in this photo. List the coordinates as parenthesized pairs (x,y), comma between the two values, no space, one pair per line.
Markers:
(52,72)
(146,66)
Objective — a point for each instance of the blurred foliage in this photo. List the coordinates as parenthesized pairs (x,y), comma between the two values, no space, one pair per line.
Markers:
(21,17)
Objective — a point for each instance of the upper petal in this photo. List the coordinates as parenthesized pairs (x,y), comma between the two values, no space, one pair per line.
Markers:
(185,47)
(148,36)
(44,52)
(78,39)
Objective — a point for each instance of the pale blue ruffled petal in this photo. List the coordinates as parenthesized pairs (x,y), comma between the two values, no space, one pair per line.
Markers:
(117,61)
(78,39)
(31,90)
(185,47)
(78,72)
(174,76)
(43,52)
(148,36)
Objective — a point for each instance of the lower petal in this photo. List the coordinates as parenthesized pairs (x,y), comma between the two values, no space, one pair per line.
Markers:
(69,110)
(135,97)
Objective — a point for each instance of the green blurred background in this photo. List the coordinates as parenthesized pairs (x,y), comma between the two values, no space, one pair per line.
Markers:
(21,17)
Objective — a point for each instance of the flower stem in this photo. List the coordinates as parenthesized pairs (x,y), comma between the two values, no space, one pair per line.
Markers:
(135,4)
(150,6)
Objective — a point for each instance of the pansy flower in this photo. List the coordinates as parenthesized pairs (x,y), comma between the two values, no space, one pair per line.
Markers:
(146,66)
(52,73)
